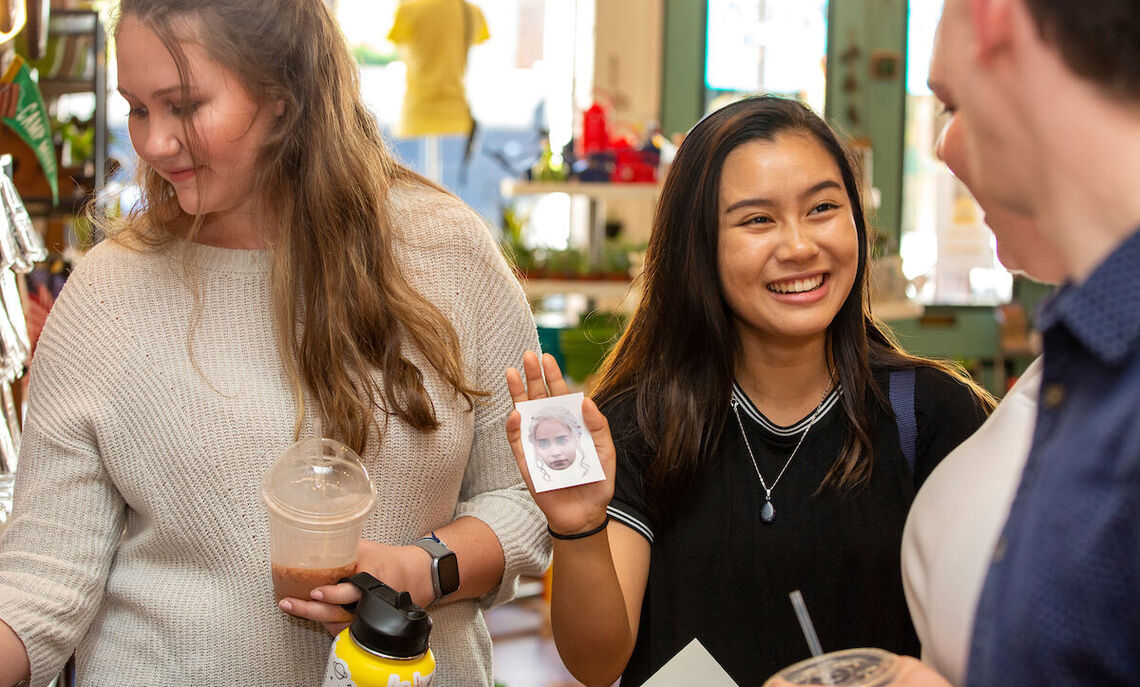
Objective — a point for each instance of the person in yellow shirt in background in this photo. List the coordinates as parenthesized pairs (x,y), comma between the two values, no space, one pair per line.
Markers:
(434,37)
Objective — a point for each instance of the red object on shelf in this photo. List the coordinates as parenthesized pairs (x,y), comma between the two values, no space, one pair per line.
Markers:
(631,167)
(595,138)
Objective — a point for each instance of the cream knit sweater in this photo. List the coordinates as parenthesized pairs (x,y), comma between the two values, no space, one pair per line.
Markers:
(139,540)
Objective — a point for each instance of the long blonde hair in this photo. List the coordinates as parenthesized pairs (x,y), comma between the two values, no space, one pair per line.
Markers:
(342,307)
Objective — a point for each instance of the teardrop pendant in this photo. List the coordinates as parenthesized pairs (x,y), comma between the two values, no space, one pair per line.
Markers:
(767,513)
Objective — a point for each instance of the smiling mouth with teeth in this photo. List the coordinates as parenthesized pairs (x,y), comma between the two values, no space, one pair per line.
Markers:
(797,285)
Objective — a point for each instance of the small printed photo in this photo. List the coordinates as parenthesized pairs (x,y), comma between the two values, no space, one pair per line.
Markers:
(559,449)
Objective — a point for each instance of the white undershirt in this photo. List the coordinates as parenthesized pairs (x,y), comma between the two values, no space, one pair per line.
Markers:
(955,522)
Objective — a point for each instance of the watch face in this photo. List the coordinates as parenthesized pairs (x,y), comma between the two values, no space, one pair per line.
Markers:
(448,568)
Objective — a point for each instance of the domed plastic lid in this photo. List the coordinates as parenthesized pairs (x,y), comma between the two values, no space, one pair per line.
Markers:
(862,667)
(319,482)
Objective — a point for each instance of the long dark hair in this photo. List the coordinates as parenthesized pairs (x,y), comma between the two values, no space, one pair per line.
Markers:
(676,360)
(342,306)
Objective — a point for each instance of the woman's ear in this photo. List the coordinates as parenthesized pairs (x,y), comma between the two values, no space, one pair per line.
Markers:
(279,107)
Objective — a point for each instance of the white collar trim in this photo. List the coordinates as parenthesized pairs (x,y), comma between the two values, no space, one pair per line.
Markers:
(752,412)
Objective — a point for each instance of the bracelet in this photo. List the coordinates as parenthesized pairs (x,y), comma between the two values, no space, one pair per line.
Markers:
(580,535)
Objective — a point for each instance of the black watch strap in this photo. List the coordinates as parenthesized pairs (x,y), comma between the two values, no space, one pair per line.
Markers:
(444,565)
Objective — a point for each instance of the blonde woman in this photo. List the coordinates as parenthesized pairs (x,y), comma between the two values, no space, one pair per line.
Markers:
(282,269)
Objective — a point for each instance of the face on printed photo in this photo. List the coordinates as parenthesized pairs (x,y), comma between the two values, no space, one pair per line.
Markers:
(559,451)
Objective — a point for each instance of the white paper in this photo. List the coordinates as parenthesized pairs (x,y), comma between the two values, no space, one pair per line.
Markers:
(559,450)
(692,666)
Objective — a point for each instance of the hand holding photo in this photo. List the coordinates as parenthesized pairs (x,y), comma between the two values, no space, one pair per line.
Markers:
(559,450)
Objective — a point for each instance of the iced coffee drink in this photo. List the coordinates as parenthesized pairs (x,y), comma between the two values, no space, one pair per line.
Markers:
(317,494)
(298,582)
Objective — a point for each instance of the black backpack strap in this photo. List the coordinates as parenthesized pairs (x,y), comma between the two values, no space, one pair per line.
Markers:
(902,402)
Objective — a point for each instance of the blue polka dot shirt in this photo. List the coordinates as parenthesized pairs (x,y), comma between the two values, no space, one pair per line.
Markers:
(1061,603)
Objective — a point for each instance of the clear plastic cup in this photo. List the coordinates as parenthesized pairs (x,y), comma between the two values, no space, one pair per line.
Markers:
(846,668)
(317,494)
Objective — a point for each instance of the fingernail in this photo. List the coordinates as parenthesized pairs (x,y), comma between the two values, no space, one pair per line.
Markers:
(317,594)
(285,605)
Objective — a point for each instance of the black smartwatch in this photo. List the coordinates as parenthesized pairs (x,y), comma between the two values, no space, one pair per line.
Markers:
(444,566)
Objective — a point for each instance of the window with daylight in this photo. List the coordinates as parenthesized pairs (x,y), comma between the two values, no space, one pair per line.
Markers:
(948,252)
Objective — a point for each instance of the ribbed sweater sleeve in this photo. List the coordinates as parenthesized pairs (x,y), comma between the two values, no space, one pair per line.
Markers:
(493,490)
(495,325)
(68,515)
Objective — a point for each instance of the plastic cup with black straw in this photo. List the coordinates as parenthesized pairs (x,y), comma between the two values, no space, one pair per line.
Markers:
(863,667)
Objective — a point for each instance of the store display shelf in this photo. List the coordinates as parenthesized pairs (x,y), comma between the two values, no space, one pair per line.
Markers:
(53,88)
(607,294)
(888,311)
(622,296)
(594,189)
(607,288)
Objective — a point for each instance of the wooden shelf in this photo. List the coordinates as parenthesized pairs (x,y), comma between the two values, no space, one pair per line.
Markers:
(888,311)
(623,296)
(53,88)
(75,64)
(593,189)
(608,295)
(597,193)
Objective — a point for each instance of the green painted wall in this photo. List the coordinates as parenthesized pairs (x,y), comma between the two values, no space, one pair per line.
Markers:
(683,73)
(869,107)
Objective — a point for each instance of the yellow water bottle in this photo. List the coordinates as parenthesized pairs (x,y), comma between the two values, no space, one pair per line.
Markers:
(386,645)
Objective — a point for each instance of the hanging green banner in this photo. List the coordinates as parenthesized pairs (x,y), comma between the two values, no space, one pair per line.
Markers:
(22,109)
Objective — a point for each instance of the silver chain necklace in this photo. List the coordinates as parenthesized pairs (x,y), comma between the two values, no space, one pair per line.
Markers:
(768,511)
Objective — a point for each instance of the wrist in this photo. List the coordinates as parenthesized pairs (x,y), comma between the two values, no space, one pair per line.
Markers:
(443,570)
(418,574)
(580,533)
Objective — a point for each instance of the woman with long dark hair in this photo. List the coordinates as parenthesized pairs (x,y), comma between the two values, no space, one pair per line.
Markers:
(752,403)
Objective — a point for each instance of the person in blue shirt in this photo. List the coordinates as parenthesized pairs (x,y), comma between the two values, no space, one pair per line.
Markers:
(1050,93)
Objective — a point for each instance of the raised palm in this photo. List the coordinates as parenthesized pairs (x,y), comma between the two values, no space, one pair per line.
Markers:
(572,509)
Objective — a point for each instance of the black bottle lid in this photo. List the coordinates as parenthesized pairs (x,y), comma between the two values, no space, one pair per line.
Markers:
(387,622)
